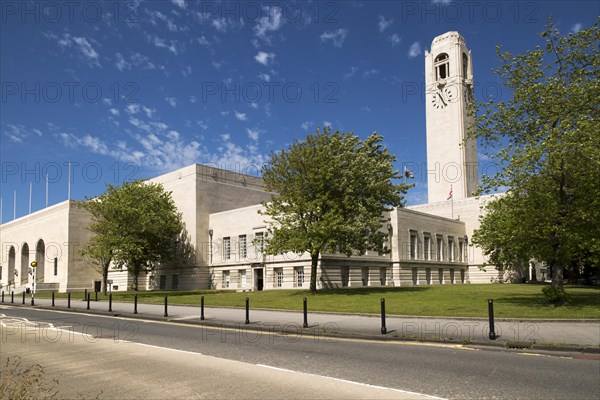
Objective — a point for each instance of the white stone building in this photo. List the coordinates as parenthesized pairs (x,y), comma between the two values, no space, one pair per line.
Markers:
(429,243)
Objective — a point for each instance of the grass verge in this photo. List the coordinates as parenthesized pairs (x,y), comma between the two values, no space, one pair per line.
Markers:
(510,300)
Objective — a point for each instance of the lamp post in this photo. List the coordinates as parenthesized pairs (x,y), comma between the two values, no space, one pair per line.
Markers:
(33,265)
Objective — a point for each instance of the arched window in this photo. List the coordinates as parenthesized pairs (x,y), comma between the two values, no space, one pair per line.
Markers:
(442,66)
(465,65)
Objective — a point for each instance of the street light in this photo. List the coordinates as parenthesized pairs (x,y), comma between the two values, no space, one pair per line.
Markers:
(33,265)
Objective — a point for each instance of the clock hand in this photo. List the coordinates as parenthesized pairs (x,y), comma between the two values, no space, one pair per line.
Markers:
(441,98)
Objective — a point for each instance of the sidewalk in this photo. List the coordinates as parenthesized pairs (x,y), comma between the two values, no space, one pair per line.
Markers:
(540,334)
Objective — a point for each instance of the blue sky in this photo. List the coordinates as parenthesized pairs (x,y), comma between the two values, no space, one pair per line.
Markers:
(129,90)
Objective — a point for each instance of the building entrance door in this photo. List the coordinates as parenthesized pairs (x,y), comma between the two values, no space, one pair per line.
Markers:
(258,278)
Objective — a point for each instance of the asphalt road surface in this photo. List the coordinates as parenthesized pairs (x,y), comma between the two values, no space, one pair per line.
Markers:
(109,357)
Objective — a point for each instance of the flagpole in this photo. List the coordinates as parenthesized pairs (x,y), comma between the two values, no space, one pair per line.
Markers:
(69,183)
(46,190)
(30,189)
(14,205)
(452,201)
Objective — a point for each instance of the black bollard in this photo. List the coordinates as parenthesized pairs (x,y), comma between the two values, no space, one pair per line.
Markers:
(202,308)
(305,324)
(12,296)
(135,304)
(110,302)
(166,313)
(491,315)
(69,300)
(3,296)
(53,298)
(32,300)
(383,327)
(96,292)
(85,295)
(23,297)
(247,311)
(88,301)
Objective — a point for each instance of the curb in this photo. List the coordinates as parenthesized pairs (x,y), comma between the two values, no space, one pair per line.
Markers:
(283,330)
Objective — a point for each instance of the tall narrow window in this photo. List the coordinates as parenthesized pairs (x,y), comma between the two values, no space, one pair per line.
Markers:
(175,281)
(299,276)
(465,65)
(441,275)
(413,245)
(226,248)
(415,276)
(428,276)
(55,266)
(427,247)
(461,250)
(365,276)
(163,282)
(345,276)
(442,67)
(243,247)
(279,277)
(440,248)
(259,242)
(450,249)
(383,276)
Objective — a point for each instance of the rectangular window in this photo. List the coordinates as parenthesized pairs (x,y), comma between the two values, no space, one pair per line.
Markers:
(259,242)
(226,248)
(452,276)
(279,277)
(55,266)
(163,282)
(441,275)
(383,276)
(175,281)
(427,247)
(461,250)
(242,245)
(451,249)
(364,272)
(226,279)
(299,276)
(242,278)
(440,248)
(428,275)
(413,245)
(415,276)
(462,276)
(345,276)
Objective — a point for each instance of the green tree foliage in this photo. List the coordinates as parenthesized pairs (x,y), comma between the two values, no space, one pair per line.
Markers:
(549,157)
(333,190)
(136,226)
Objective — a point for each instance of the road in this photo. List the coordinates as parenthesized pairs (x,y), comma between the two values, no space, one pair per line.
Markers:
(179,360)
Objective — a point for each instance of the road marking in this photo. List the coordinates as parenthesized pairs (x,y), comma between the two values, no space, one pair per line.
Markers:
(352,382)
(532,354)
(168,348)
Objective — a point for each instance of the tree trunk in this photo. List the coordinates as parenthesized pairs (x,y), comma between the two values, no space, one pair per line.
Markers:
(313,272)
(105,276)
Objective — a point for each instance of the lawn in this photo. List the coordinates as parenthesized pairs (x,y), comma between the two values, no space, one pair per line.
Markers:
(510,300)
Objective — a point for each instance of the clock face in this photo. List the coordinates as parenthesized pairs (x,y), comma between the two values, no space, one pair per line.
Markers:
(442,97)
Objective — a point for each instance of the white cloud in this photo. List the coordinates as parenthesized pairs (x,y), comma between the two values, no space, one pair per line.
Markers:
(351,73)
(203,41)
(241,116)
(366,108)
(86,48)
(225,136)
(337,37)
(265,77)
(254,105)
(221,24)
(186,71)
(170,45)
(253,134)
(172,101)
(270,22)
(121,64)
(193,99)
(383,24)
(80,43)
(141,61)
(114,112)
(370,72)
(264,58)
(327,124)
(179,3)
(16,133)
(577,27)
(395,39)
(305,125)
(415,50)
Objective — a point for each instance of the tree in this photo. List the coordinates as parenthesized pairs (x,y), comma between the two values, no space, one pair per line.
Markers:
(332,192)
(136,226)
(549,157)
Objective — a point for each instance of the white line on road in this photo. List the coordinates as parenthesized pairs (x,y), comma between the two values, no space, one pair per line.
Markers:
(352,382)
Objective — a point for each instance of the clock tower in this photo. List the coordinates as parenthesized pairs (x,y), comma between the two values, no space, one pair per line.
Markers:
(451,159)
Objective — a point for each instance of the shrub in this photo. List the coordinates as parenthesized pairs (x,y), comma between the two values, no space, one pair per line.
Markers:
(556,296)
